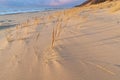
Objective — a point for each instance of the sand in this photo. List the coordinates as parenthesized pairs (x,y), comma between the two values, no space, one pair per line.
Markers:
(73,44)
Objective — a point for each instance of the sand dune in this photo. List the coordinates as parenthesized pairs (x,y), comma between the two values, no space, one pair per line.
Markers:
(73,44)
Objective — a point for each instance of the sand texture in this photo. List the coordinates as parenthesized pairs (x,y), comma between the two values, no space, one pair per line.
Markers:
(73,44)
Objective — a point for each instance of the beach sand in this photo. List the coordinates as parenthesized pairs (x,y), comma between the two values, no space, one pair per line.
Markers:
(72,44)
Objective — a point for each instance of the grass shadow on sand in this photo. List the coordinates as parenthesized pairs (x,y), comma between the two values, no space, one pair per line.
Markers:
(7,26)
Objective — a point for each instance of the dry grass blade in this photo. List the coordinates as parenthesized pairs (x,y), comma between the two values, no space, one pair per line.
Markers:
(53,38)
(115,8)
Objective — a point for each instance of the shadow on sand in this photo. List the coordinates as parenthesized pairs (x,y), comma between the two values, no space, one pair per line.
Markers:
(7,26)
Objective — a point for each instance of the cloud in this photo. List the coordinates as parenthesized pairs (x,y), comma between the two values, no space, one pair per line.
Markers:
(23,3)
(60,2)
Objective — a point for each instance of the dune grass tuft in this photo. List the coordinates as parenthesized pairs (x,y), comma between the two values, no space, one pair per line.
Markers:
(20,29)
(115,7)
(57,30)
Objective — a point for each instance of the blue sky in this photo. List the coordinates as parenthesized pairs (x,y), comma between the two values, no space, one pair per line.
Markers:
(38,3)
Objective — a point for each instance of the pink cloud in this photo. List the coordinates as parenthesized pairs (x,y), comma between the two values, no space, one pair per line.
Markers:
(60,2)
(2,1)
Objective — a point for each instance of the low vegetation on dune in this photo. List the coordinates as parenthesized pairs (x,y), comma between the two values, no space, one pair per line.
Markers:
(112,5)
(92,2)
(23,30)
(97,1)
(116,7)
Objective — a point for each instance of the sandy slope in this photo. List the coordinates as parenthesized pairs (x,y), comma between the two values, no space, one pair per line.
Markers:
(85,46)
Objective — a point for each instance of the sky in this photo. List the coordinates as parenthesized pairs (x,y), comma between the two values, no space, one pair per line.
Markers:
(39,3)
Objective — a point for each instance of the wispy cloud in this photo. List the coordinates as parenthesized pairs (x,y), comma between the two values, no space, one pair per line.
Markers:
(37,2)
(60,2)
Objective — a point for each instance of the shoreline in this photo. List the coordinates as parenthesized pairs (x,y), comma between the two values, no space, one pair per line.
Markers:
(46,10)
